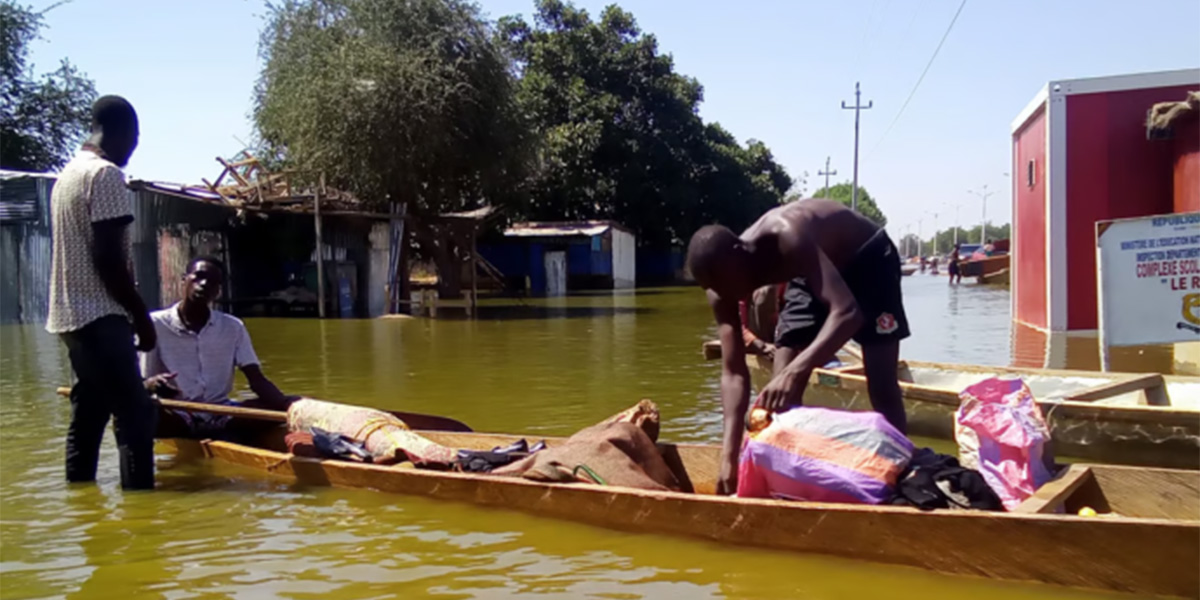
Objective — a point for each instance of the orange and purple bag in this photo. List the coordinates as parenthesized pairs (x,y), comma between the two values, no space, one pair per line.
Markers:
(824,455)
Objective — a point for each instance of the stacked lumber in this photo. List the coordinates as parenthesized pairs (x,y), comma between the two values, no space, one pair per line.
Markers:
(245,182)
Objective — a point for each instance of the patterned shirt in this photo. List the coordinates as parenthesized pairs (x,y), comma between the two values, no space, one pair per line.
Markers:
(203,362)
(90,189)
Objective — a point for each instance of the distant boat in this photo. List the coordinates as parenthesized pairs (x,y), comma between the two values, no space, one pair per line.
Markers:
(908,269)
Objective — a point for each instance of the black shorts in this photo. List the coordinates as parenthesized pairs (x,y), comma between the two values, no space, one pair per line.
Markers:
(873,276)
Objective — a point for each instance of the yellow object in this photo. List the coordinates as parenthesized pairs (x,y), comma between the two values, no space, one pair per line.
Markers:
(1087,511)
(758,421)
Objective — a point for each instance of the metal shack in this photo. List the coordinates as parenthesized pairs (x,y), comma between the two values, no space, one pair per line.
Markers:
(561,256)
(25,246)
(1080,154)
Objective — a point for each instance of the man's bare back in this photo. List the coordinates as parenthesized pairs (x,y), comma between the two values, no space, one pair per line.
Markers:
(843,282)
(838,231)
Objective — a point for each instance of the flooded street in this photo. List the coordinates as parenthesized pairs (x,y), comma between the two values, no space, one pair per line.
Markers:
(541,367)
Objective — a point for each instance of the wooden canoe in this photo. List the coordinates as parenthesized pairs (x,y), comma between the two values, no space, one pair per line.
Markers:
(1153,547)
(994,278)
(1123,418)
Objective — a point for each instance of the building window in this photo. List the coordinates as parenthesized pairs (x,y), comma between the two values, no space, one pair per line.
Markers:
(1031,173)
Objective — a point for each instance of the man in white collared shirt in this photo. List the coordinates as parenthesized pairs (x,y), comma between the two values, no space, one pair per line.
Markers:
(198,349)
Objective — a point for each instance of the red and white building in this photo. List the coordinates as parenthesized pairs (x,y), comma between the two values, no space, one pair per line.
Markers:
(1080,155)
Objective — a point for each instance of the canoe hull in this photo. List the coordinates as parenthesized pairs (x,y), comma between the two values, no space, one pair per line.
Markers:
(1155,556)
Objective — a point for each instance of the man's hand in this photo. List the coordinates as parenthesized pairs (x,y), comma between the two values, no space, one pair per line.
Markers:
(162,385)
(147,338)
(728,480)
(768,351)
(785,390)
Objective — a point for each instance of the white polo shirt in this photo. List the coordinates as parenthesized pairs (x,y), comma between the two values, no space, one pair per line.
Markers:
(203,362)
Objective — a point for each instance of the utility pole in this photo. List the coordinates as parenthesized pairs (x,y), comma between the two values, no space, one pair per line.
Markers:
(826,173)
(935,233)
(983,225)
(857,108)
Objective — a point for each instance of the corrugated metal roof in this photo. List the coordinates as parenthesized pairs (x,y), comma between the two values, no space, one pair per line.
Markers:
(9,174)
(560,229)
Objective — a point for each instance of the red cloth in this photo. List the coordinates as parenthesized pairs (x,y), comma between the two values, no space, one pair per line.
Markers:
(301,444)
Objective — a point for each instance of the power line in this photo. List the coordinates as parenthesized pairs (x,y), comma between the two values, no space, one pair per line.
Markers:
(923,73)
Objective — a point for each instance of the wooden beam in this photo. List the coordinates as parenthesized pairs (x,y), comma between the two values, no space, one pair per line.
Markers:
(1116,388)
(1054,493)
(320,257)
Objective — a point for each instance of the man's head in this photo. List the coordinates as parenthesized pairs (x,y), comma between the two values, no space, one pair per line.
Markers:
(114,128)
(203,280)
(720,261)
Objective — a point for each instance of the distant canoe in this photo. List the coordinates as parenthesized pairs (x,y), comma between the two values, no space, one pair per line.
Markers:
(907,269)
(1146,540)
(994,278)
(984,266)
(1123,418)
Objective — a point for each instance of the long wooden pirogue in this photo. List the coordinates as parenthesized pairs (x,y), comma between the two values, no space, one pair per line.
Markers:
(1123,418)
(1152,548)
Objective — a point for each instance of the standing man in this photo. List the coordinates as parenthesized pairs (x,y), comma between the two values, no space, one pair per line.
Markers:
(198,350)
(843,281)
(94,305)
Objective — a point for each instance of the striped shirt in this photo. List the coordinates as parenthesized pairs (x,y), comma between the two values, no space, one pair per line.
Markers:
(202,361)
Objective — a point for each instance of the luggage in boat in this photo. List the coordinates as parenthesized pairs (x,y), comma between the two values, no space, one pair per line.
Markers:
(384,435)
(1001,433)
(618,451)
(932,481)
(822,455)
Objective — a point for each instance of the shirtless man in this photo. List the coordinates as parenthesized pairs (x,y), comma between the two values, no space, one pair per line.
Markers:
(843,281)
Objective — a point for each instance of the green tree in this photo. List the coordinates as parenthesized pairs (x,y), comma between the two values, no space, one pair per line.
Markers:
(42,117)
(396,101)
(409,102)
(621,137)
(866,204)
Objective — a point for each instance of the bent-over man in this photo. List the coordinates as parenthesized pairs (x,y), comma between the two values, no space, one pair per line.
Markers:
(843,281)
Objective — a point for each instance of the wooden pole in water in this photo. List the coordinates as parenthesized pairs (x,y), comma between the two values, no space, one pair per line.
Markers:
(320,250)
(474,268)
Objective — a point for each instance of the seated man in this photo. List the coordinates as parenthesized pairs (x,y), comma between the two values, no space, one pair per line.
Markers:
(843,281)
(198,348)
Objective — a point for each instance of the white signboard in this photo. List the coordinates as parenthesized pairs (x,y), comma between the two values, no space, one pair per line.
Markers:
(1149,279)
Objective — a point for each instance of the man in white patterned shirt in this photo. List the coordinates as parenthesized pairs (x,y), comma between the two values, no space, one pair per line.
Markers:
(94,305)
(198,349)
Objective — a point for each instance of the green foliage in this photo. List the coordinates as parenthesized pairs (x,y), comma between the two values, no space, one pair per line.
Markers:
(842,192)
(945,239)
(620,133)
(396,101)
(41,117)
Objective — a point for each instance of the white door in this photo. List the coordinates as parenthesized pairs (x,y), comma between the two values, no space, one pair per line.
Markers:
(556,273)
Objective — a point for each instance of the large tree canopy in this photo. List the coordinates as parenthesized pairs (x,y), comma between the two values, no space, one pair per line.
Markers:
(397,101)
(866,204)
(41,117)
(620,134)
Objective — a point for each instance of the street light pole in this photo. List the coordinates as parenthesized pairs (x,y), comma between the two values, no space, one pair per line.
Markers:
(983,224)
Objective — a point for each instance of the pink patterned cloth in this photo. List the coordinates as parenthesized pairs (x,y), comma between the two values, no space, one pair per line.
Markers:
(1001,433)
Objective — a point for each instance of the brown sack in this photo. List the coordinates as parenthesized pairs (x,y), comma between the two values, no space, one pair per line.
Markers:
(619,453)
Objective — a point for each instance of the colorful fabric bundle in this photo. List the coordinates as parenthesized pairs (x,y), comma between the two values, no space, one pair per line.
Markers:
(385,436)
(1001,433)
(824,455)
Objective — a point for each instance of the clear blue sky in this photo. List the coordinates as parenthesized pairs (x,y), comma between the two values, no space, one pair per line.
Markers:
(772,70)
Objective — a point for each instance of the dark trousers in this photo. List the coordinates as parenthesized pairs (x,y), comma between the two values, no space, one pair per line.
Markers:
(109,382)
